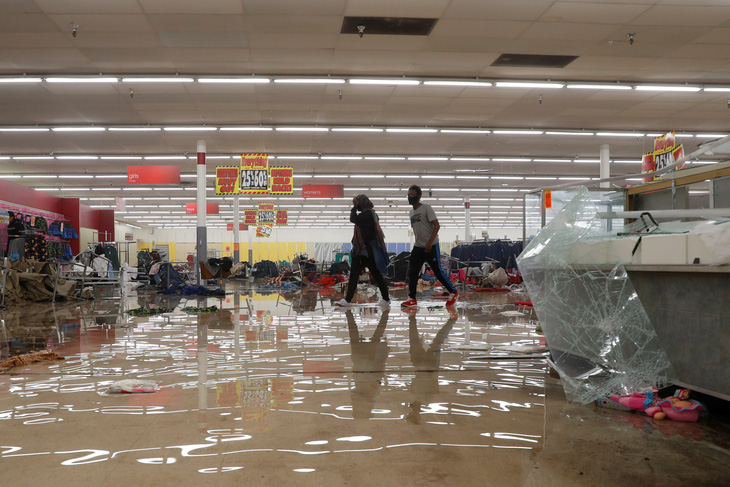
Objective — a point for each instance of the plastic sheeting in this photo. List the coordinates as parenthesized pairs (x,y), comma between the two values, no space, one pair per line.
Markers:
(600,337)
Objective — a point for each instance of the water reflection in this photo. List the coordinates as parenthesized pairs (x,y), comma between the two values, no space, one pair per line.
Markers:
(368,365)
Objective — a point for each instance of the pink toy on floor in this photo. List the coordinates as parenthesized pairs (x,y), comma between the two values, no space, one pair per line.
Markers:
(676,407)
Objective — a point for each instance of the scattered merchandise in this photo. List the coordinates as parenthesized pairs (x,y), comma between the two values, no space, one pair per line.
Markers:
(148,311)
(202,291)
(194,309)
(678,407)
(27,359)
(133,386)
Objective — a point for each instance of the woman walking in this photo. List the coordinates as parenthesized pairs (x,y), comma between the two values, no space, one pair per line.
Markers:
(368,244)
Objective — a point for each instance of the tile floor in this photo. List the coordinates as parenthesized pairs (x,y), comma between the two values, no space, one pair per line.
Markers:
(289,390)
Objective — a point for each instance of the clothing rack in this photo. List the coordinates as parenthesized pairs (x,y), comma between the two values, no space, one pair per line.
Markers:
(122,248)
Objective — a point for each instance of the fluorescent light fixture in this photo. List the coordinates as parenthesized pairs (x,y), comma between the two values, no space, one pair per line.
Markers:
(711,136)
(569,133)
(483,84)
(310,80)
(524,84)
(411,131)
(508,177)
(517,132)
(75,176)
(475,159)
(619,134)
(190,129)
(78,129)
(466,131)
(244,80)
(587,161)
(511,159)
(395,81)
(77,157)
(428,158)
(385,158)
(77,189)
(572,179)
(339,158)
(23,129)
(329,175)
(356,129)
(707,88)
(659,135)
(159,79)
(134,129)
(552,160)
(106,189)
(587,86)
(13,176)
(301,129)
(706,162)
(550,178)
(21,80)
(158,158)
(367,175)
(637,161)
(120,158)
(101,79)
(667,88)
(246,129)
(47,189)
(29,158)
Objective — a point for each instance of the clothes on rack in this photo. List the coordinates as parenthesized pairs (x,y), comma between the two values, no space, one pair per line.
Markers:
(16,248)
(505,252)
(36,248)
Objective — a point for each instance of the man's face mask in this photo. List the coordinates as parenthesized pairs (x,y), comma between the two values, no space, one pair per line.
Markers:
(412,200)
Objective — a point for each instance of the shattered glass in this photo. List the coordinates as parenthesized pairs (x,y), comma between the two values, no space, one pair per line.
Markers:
(600,337)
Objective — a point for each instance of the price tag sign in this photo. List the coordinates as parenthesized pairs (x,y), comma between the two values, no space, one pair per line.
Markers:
(249,217)
(282,217)
(254,173)
(282,180)
(266,214)
(264,231)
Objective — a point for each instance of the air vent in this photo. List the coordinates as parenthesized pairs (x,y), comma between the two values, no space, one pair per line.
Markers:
(533,61)
(401,26)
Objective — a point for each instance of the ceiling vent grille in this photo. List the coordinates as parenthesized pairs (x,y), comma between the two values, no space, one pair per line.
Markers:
(533,61)
(401,26)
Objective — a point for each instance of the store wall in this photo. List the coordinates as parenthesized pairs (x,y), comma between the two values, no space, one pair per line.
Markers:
(286,242)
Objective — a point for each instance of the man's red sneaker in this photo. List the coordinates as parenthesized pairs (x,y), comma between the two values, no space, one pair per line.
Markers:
(452,299)
(411,303)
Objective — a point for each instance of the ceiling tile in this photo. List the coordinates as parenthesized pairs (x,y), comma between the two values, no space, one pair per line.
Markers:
(191,7)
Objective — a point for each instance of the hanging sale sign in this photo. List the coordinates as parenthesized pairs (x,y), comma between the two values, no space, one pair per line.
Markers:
(249,217)
(264,231)
(281,180)
(282,217)
(266,213)
(227,180)
(254,173)
(666,152)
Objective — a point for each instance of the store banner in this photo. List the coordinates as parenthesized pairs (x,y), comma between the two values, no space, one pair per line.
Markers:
(548,199)
(241,226)
(254,173)
(153,174)
(264,231)
(192,208)
(227,180)
(281,180)
(323,191)
(666,152)
(282,217)
(265,214)
(249,217)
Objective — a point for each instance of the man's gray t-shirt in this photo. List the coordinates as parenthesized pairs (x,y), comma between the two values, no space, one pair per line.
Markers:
(421,219)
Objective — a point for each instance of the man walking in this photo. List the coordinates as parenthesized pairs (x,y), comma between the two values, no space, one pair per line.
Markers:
(426,249)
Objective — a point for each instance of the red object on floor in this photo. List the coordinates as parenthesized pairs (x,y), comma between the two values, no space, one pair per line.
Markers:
(491,290)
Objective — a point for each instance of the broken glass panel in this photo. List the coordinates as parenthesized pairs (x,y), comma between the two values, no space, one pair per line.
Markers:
(600,337)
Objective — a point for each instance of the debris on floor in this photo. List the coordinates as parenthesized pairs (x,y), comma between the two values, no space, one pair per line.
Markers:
(27,359)
(133,386)
(148,311)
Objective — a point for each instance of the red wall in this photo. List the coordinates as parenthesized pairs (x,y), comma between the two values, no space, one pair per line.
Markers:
(73,211)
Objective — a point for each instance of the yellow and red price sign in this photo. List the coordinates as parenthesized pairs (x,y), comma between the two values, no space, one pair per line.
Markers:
(227,180)
(254,173)
(249,217)
(265,214)
(282,217)
(281,180)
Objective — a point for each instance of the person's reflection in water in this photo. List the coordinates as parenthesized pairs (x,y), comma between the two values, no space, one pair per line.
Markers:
(368,365)
(426,363)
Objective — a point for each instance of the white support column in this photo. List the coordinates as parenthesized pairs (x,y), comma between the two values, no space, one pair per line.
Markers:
(236,225)
(467,220)
(202,236)
(605,165)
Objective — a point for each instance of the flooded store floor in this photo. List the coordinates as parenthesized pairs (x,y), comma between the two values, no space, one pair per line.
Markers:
(276,389)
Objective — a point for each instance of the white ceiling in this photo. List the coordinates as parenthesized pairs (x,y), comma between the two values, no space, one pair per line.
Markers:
(675,42)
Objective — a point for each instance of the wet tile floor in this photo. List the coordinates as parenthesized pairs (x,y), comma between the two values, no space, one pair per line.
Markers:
(287,389)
